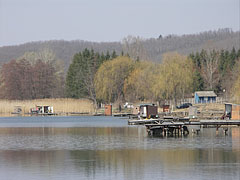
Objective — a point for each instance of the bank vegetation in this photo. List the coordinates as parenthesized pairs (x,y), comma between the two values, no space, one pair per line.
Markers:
(61,106)
(110,77)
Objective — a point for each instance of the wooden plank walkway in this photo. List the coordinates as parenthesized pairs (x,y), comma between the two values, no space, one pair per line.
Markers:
(177,128)
(185,121)
(166,127)
(156,121)
(201,122)
(220,122)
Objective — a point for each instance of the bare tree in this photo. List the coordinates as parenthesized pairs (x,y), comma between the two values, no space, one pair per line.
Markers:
(134,47)
(210,69)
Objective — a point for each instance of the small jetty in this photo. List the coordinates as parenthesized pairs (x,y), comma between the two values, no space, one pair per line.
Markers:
(156,120)
(173,127)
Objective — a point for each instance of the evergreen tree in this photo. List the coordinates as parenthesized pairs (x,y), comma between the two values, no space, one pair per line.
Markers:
(198,83)
(225,61)
(81,73)
(114,55)
(108,55)
(232,58)
(238,54)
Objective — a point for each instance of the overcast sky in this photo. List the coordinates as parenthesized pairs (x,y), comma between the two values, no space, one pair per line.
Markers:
(111,20)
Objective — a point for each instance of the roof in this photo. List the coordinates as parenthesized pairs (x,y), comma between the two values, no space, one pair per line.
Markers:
(147,104)
(232,104)
(206,93)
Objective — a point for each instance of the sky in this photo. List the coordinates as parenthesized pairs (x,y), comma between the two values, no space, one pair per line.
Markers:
(24,21)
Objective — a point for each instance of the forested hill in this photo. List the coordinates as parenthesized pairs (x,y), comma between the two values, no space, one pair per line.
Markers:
(151,49)
(64,50)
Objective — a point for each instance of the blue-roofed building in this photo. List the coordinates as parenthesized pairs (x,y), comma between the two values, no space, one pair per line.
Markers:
(205,97)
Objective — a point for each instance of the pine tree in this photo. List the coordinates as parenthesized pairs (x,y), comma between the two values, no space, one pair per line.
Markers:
(81,73)
(198,83)
(232,58)
(114,55)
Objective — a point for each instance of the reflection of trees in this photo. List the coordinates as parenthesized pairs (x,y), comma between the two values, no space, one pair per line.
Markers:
(108,152)
(236,140)
(136,164)
(41,162)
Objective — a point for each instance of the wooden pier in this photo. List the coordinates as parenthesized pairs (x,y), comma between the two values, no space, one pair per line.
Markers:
(157,120)
(165,127)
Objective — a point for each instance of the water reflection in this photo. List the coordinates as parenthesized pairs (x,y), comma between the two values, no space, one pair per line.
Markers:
(116,153)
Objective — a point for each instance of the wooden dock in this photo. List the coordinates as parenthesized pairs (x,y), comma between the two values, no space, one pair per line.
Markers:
(157,120)
(123,115)
(178,127)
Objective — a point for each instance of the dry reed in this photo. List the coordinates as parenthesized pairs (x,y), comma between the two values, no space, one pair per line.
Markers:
(61,106)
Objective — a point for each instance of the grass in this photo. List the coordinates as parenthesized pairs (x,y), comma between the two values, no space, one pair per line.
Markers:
(61,106)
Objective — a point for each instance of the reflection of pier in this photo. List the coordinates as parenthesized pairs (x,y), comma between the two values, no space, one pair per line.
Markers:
(166,127)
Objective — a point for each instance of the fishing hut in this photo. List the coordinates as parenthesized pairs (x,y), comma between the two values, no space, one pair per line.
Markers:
(147,111)
(166,108)
(232,111)
(108,110)
(42,110)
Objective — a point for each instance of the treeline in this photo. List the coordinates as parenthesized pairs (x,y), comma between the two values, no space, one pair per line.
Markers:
(215,70)
(151,49)
(127,79)
(178,76)
(108,77)
(81,74)
(33,76)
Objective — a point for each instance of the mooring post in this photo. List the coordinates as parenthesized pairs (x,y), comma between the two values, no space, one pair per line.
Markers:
(164,131)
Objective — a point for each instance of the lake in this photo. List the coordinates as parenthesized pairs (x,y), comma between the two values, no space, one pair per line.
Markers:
(55,148)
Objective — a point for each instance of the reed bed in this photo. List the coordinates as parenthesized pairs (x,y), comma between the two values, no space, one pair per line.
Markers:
(61,106)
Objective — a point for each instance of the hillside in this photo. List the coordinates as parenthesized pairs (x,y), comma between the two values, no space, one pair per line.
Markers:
(153,48)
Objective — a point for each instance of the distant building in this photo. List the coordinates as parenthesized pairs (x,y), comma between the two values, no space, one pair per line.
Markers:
(232,111)
(42,110)
(148,111)
(108,110)
(205,97)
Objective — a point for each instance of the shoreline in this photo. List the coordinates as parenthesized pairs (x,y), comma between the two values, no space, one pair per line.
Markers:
(61,106)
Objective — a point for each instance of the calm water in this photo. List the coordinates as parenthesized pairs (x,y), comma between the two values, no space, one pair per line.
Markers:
(43,148)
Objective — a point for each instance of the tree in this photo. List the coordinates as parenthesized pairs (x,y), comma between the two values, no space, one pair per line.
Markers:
(16,80)
(81,73)
(138,85)
(175,78)
(21,80)
(134,47)
(198,83)
(209,69)
(48,58)
(110,78)
(43,83)
(236,85)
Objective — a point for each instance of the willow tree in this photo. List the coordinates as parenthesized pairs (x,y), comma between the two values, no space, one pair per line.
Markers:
(138,86)
(175,78)
(110,78)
